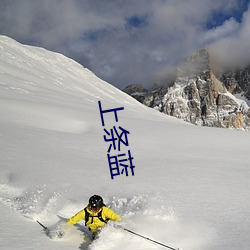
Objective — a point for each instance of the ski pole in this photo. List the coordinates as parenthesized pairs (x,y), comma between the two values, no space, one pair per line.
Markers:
(45,228)
(159,243)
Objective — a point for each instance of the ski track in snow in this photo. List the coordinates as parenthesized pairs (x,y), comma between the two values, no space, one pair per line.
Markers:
(144,214)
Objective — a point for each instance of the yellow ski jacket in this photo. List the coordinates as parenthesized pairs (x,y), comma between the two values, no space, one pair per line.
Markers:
(94,223)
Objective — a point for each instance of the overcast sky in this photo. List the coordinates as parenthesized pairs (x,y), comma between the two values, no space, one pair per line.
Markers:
(131,41)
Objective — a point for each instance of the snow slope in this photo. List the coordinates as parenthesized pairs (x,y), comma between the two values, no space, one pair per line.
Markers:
(191,184)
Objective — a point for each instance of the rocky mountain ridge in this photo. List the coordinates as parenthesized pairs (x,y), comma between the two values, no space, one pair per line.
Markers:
(200,95)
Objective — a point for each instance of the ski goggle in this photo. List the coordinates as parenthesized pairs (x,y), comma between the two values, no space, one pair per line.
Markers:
(94,208)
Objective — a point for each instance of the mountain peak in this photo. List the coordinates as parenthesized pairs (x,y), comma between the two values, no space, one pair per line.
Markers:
(197,64)
(200,96)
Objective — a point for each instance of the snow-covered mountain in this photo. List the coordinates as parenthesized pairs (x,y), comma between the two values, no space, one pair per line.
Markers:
(201,96)
(190,187)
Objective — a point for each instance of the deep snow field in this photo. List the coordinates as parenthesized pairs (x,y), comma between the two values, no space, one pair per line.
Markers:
(191,185)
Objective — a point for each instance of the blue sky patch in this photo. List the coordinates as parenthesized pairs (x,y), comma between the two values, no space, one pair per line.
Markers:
(136,21)
(219,17)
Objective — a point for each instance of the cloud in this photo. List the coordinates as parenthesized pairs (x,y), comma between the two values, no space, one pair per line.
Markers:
(233,49)
(121,41)
(228,28)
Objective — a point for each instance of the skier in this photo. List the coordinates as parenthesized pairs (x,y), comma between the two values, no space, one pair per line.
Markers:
(95,214)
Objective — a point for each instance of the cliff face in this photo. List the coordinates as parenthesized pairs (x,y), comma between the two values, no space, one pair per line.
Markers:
(237,81)
(201,97)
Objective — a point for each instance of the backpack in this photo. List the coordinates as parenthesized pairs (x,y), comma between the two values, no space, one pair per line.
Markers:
(88,216)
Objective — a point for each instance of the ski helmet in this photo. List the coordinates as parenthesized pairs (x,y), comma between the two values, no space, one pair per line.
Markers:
(95,202)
